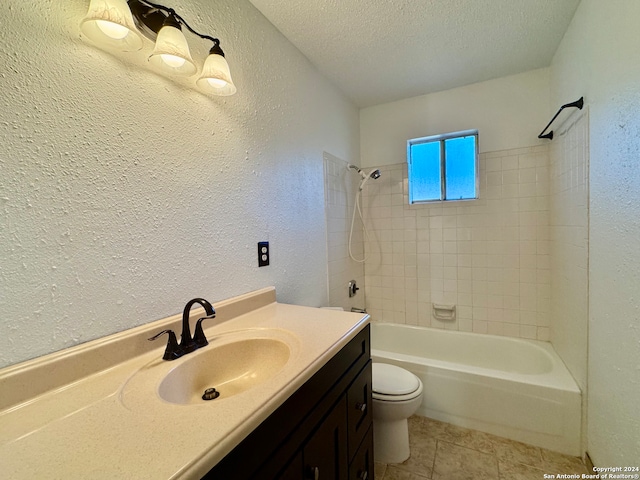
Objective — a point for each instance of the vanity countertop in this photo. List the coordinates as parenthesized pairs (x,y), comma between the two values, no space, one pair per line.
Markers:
(83,413)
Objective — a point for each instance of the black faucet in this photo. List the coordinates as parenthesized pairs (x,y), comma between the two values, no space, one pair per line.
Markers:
(187,343)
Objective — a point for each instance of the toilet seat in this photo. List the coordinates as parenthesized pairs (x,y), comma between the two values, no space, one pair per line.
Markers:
(394,384)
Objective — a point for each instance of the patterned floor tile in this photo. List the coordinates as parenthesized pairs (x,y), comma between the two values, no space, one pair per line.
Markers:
(395,473)
(423,453)
(510,451)
(441,451)
(518,471)
(459,463)
(555,462)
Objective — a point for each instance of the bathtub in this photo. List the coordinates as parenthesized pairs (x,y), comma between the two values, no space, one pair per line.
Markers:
(514,388)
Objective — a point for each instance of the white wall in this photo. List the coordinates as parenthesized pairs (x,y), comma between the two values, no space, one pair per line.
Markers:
(123,195)
(598,58)
(509,112)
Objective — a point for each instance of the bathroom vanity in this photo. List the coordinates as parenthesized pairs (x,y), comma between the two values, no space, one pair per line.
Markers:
(295,401)
(322,431)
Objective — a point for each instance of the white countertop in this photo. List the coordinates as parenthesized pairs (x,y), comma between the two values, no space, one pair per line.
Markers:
(101,426)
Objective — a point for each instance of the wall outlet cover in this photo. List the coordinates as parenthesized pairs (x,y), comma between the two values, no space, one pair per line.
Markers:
(263,254)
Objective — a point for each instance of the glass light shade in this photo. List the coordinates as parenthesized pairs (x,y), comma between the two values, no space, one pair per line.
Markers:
(109,23)
(216,77)
(171,54)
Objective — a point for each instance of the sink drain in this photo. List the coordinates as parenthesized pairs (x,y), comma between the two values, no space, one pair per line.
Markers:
(210,394)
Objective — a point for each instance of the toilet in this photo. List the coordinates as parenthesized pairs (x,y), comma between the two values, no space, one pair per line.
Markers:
(397,394)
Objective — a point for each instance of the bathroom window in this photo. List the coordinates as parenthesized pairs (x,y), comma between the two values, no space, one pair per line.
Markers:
(443,167)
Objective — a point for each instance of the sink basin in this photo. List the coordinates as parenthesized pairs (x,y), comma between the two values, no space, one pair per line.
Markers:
(231,368)
(234,362)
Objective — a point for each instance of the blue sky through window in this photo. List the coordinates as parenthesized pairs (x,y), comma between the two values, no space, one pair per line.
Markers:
(460,167)
(425,171)
(443,165)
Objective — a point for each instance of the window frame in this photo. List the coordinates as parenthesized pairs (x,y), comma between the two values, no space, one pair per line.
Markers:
(441,138)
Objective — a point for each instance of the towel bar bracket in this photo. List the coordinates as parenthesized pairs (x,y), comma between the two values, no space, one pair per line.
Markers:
(577,104)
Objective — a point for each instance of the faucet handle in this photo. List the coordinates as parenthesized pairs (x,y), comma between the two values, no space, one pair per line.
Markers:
(198,337)
(173,349)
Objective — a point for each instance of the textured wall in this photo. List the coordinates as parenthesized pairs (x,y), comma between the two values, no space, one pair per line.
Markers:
(123,195)
(593,60)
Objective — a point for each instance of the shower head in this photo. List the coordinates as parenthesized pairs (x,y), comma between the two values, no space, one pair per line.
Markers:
(375,174)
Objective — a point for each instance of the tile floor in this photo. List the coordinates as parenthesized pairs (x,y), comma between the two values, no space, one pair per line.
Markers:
(441,451)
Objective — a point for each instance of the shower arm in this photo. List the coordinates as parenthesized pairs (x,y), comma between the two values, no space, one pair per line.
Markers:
(357,169)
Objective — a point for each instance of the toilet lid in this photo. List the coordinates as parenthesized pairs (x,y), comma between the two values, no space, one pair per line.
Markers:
(392,380)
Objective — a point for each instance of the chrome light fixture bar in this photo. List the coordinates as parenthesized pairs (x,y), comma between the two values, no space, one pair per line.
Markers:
(121,25)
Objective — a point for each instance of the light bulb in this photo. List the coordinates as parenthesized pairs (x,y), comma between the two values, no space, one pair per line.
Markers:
(109,23)
(171,53)
(216,78)
(112,30)
(217,83)
(172,60)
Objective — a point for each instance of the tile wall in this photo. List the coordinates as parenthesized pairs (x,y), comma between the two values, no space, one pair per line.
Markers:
(340,186)
(569,207)
(488,257)
(569,245)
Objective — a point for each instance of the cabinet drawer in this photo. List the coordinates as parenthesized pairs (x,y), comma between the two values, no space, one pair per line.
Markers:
(362,465)
(359,409)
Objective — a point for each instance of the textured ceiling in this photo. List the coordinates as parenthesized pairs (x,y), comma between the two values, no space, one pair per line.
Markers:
(379,51)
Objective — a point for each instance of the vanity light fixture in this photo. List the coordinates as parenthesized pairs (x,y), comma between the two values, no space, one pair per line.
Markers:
(121,25)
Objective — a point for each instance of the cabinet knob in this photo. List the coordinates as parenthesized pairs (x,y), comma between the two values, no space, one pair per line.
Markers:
(363,475)
(314,473)
(361,406)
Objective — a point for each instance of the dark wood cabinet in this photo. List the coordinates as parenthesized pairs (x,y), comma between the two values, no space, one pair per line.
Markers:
(323,431)
(362,464)
(294,469)
(359,409)
(324,453)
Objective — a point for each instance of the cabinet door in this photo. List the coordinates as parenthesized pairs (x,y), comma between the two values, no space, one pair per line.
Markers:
(362,466)
(293,470)
(359,409)
(325,454)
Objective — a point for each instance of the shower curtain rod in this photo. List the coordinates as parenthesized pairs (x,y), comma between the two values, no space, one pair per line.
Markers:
(577,104)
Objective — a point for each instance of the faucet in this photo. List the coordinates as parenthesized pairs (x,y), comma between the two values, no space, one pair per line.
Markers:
(187,343)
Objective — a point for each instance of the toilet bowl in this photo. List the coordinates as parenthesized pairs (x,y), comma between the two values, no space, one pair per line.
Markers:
(397,394)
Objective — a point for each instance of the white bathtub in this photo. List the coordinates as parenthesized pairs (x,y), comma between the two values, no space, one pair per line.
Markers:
(514,388)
